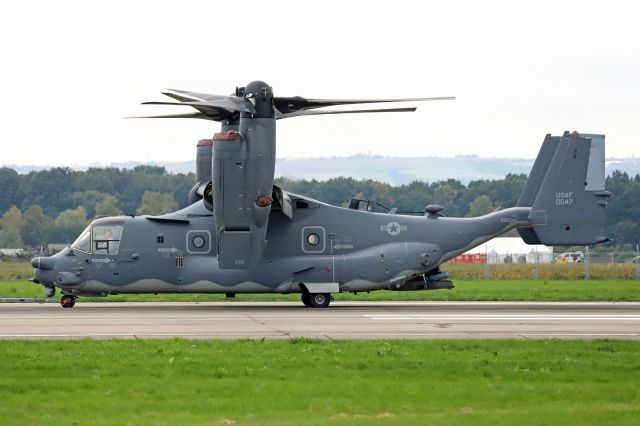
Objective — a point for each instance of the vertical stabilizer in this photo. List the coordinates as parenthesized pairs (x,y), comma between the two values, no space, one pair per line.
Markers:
(566,192)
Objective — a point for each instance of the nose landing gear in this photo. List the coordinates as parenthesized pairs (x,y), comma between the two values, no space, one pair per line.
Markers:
(67,301)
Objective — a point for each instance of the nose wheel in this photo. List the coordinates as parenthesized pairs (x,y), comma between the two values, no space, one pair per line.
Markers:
(67,301)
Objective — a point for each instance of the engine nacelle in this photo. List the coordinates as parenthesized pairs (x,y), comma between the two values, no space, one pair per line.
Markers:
(243,165)
(202,188)
(203,160)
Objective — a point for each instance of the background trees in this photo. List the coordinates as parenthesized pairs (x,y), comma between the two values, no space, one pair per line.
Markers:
(155,203)
(37,228)
(69,224)
(11,232)
(53,206)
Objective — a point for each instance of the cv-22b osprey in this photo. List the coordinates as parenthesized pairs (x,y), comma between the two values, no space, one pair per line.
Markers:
(242,234)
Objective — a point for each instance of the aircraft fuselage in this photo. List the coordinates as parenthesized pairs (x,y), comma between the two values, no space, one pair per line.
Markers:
(314,244)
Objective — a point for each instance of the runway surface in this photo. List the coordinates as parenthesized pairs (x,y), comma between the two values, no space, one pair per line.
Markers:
(343,320)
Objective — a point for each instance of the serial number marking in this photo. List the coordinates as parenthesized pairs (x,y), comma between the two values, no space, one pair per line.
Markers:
(564,198)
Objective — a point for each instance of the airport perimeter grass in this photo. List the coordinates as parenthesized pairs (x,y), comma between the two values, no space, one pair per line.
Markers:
(465,290)
(305,381)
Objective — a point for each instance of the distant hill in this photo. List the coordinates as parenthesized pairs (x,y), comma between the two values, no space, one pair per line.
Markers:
(394,170)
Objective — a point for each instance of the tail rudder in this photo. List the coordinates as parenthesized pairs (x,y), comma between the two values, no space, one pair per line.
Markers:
(566,192)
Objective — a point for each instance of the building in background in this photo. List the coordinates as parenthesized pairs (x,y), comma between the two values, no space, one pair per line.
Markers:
(55,248)
(506,250)
(11,252)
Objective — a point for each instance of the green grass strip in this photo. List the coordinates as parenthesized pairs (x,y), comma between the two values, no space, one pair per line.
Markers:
(302,381)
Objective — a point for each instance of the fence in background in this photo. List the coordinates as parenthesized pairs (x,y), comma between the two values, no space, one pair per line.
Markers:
(583,265)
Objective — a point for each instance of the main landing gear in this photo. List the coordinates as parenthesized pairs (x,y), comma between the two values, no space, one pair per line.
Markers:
(316,300)
(67,301)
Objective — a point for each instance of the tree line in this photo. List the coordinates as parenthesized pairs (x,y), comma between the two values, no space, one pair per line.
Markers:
(53,206)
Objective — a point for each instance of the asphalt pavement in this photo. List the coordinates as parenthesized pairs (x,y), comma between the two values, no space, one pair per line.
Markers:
(342,320)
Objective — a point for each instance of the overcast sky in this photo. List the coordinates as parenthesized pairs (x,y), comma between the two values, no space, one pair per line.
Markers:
(71,71)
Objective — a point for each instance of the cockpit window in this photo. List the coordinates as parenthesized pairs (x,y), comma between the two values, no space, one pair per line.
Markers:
(106,239)
(83,242)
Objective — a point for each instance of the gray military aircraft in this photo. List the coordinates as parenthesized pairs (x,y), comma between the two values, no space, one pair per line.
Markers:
(242,234)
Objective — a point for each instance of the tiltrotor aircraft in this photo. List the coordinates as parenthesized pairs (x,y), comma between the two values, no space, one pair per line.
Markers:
(242,234)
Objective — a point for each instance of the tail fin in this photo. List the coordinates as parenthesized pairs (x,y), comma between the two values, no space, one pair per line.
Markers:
(566,193)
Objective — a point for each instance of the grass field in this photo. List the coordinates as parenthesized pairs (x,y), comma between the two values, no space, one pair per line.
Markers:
(311,382)
(504,290)
(12,270)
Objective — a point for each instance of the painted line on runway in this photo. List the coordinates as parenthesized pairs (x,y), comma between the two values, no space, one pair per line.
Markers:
(375,317)
(498,317)
(169,319)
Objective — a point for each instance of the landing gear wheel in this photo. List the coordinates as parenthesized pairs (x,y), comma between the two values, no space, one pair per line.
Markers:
(67,301)
(306,299)
(319,300)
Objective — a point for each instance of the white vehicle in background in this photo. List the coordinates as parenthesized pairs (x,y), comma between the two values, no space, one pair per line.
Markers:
(569,257)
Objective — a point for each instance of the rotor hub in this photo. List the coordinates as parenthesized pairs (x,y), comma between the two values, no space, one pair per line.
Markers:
(260,94)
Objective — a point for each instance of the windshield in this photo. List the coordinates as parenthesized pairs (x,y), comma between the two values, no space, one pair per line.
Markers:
(83,242)
(106,239)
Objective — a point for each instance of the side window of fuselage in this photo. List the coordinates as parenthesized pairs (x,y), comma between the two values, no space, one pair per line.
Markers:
(106,239)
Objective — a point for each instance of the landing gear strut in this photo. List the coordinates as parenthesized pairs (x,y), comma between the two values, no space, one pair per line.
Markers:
(67,301)
(306,299)
(316,300)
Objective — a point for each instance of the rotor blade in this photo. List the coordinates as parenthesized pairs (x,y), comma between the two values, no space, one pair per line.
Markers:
(187,115)
(180,97)
(231,104)
(199,96)
(356,111)
(297,103)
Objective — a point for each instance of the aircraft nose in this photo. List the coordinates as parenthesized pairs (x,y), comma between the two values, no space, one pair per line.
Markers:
(44,263)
